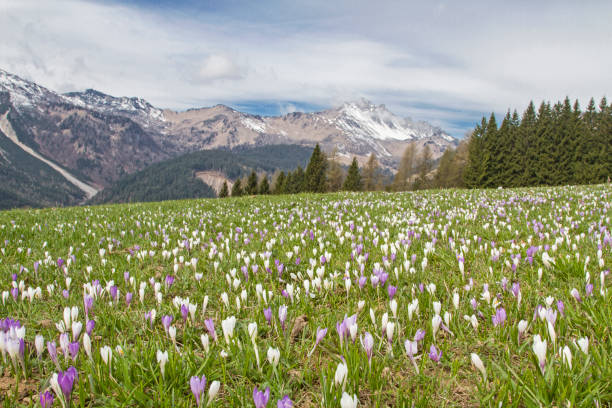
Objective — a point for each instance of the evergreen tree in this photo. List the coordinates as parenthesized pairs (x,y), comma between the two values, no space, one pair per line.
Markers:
(401,182)
(442,179)
(353,178)
(264,186)
(315,180)
(224,190)
(297,182)
(280,184)
(237,189)
(477,158)
(527,146)
(251,186)
(335,174)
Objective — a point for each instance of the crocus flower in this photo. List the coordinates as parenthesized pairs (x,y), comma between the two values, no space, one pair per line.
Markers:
(435,354)
(166,322)
(66,380)
(539,349)
(367,342)
(561,307)
(321,332)
(284,402)
(348,401)
(282,315)
(162,359)
(477,362)
(574,292)
(73,348)
(500,317)
(213,390)
(89,326)
(268,315)
(260,398)
(391,291)
(46,399)
(128,298)
(419,335)
(210,326)
(197,387)
(341,374)
(273,356)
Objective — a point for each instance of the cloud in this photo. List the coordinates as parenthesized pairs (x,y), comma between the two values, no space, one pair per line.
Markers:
(218,66)
(445,62)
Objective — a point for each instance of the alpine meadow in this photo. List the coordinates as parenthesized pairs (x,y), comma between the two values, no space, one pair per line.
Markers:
(305,204)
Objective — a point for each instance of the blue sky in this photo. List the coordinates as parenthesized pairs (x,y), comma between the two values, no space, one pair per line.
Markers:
(445,62)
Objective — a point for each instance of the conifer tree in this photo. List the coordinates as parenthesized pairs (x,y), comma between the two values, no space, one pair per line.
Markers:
(315,180)
(297,183)
(442,179)
(280,184)
(224,190)
(237,189)
(264,186)
(251,186)
(353,178)
(477,158)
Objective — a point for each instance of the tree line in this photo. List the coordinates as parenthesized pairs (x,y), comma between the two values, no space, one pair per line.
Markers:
(557,144)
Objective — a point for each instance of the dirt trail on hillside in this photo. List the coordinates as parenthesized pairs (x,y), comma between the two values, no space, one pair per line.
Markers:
(7,129)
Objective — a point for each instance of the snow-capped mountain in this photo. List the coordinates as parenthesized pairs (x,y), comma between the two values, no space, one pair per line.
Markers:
(100,138)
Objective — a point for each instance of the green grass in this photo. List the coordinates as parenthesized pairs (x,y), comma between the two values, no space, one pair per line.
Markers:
(574,222)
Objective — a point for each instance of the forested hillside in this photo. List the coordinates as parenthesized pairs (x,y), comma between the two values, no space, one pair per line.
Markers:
(554,145)
(176,178)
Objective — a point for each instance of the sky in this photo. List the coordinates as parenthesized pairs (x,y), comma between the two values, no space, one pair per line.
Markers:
(446,62)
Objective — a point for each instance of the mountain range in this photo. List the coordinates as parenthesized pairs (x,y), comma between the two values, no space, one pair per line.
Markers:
(82,142)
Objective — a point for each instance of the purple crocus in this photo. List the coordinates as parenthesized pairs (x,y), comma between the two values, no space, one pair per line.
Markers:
(14,293)
(435,354)
(66,293)
(46,399)
(197,387)
(561,307)
(321,332)
(268,315)
(588,289)
(210,326)
(89,326)
(73,349)
(169,280)
(367,342)
(261,398)
(419,335)
(184,312)
(284,402)
(128,298)
(52,349)
(166,322)
(66,379)
(87,304)
(391,290)
(113,292)
(500,317)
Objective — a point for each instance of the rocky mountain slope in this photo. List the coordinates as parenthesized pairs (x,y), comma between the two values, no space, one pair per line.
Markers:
(99,138)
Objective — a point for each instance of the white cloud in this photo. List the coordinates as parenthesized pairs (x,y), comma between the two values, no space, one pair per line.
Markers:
(428,61)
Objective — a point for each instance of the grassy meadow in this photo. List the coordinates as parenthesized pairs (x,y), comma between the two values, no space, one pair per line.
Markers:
(439,298)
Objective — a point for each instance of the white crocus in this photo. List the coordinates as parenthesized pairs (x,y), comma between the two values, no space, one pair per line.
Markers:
(347,401)
(273,356)
(477,362)
(162,359)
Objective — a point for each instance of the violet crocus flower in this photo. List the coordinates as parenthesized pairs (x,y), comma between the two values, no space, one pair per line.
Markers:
(419,335)
(89,326)
(46,399)
(588,289)
(87,304)
(184,312)
(435,354)
(14,293)
(574,292)
(128,298)
(284,402)
(66,380)
(561,307)
(362,281)
(261,398)
(321,332)
(73,349)
(516,289)
(210,326)
(197,387)
(268,315)
(169,280)
(166,322)
(52,349)
(500,317)
(113,292)
(391,290)
(66,293)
